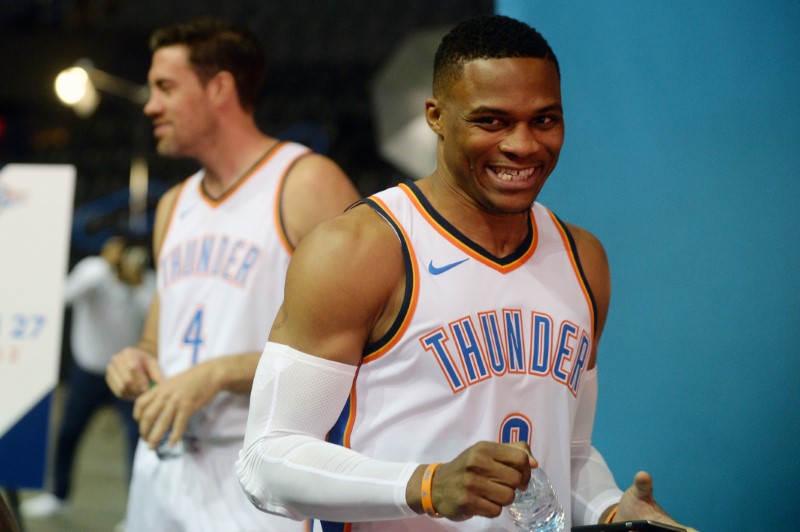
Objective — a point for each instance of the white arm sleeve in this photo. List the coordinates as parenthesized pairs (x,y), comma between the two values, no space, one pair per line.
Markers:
(593,485)
(287,468)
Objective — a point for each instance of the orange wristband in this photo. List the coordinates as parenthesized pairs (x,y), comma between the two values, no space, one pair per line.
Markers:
(426,493)
(611,515)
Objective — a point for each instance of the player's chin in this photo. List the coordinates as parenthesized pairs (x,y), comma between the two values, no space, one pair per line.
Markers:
(167,149)
(515,201)
(510,208)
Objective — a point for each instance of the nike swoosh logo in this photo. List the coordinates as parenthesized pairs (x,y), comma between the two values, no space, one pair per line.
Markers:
(436,271)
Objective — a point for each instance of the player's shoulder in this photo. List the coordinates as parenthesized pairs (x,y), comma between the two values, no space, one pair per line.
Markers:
(594,264)
(312,166)
(164,210)
(356,243)
(355,256)
(586,242)
(172,192)
(315,189)
(358,227)
(167,201)
(592,257)
(320,178)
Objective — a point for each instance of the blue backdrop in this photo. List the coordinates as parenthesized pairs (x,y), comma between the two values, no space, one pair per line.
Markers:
(683,156)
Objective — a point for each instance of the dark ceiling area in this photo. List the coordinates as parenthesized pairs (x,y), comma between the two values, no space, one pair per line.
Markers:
(322,56)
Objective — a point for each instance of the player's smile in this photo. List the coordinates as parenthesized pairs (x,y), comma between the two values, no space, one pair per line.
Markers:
(510,177)
(512,174)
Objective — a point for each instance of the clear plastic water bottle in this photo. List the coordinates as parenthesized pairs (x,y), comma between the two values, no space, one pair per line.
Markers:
(187,444)
(537,508)
(165,451)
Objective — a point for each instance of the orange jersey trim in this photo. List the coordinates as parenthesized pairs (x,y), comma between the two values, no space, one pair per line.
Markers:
(351,414)
(214,203)
(277,212)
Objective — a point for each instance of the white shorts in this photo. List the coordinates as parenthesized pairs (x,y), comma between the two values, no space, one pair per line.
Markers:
(196,492)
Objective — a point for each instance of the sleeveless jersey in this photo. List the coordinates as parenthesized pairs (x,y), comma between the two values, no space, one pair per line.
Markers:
(221,277)
(485,348)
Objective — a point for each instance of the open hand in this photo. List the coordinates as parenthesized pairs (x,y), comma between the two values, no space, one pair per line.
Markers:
(638,503)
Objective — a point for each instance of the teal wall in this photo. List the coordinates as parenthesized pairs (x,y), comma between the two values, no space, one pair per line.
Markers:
(683,156)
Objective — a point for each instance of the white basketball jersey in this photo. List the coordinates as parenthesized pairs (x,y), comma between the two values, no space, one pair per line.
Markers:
(486,348)
(221,275)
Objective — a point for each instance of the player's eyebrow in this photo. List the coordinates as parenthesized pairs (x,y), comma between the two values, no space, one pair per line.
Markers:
(484,109)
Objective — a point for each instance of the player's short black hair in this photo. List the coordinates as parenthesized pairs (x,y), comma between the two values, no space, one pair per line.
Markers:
(216,45)
(486,37)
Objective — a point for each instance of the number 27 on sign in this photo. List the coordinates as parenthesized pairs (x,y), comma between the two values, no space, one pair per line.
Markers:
(20,326)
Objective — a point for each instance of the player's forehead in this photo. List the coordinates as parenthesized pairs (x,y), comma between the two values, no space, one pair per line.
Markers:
(508,69)
(510,80)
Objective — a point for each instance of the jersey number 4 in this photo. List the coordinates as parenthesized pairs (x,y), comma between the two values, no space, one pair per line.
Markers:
(193,337)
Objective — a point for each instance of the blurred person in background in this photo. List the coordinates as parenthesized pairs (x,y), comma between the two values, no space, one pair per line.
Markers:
(110,295)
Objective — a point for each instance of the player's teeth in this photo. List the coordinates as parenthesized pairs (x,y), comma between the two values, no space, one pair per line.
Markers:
(511,174)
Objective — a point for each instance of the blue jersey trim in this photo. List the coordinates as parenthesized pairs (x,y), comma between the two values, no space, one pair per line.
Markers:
(574,249)
(409,288)
(523,248)
(330,526)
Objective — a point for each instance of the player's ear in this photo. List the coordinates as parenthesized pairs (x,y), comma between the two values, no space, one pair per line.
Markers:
(222,87)
(433,115)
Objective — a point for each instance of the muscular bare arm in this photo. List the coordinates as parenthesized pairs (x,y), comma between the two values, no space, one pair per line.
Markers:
(354,262)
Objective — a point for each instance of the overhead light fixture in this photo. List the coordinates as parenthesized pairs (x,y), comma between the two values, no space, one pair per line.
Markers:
(78,86)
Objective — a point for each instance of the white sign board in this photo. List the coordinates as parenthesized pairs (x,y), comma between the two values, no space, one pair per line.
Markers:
(36,204)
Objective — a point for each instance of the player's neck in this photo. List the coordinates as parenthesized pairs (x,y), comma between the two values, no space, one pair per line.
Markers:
(232,165)
(499,234)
